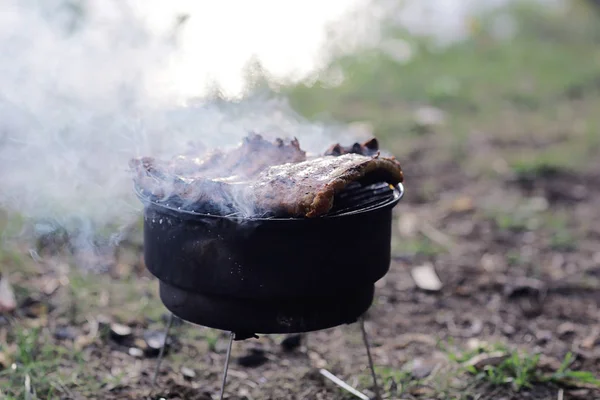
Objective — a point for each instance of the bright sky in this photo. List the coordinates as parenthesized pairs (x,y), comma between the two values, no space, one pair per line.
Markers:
(221,36)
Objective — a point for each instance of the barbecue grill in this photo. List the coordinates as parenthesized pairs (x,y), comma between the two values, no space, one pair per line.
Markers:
(269,275)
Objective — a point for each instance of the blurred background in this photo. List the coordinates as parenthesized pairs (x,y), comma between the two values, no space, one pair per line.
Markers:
(490,106)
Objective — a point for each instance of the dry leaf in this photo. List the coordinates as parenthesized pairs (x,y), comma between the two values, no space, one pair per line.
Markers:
(481,361)
(462,204)
(426,278)
(8,301)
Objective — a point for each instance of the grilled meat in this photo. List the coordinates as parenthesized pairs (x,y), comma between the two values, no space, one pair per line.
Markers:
(368,148)
(265,178)
(252,156)
(307,189)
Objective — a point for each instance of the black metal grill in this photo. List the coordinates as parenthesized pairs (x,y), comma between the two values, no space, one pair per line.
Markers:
(359,197)
(355,197)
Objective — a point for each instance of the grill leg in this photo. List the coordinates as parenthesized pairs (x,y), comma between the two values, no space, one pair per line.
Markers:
(162,350)
(371,365)
(231,337)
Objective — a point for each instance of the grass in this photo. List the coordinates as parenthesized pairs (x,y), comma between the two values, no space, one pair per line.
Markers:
(521,370)
(39,362)
(518,369)
(458,379)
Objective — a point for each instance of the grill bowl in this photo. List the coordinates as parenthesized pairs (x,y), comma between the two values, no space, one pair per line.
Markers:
(265,258)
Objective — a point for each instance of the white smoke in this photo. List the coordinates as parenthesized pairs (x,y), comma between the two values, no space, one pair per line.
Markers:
(83,90)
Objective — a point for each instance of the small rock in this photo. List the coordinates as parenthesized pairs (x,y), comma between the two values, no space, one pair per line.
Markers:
(50,286)
(188,373)
(119,332)
(7,297)
(508,330)
(316,360)
(525,287)
(474,329)
(422,368)
(65,333)
(103,321)
(543,337)
(255,358)
(426,278)
(291,342)
(154,341)
(135,352)
(565,329)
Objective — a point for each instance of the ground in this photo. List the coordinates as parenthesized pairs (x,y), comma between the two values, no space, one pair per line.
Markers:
(499,144)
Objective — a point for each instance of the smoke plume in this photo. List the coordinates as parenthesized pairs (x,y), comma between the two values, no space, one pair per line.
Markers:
(83,90)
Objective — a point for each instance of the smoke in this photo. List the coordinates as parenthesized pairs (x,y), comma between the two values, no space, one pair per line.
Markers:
(83,89)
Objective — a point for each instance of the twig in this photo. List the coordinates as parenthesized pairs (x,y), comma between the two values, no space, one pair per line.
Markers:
(342,384)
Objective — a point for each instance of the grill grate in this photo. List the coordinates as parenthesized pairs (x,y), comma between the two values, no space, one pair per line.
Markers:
(359,197)
(355,197)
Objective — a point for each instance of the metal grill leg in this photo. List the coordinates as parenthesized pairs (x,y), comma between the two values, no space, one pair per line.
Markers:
(162,350)
(231,337)
(371,365)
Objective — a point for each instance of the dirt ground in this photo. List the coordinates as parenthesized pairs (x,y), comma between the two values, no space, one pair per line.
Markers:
(513,280)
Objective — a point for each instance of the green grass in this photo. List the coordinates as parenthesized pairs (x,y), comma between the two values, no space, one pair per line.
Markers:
(41,363)
(521,370)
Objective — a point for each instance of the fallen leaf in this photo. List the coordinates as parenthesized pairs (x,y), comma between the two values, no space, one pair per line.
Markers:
(590,342)
(188,373)
(154,342)
(483,360)
(50,286)
(462,204)
(426,278)
(421,368)
(119,332)
(8,301)
(424,391)
(4,361)
(565,329)
(135,352)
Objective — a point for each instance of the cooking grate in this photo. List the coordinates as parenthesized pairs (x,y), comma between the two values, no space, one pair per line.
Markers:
(355,197)
(359,197)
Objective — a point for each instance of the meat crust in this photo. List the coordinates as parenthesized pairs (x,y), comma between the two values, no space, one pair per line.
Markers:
(267,178)
(308,188)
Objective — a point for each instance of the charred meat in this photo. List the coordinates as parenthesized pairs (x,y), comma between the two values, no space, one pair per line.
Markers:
(368,148)
(261,178)
(308,188)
